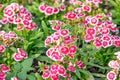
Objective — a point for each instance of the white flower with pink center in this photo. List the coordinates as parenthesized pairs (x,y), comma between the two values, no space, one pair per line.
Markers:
(4,68)
(91,31)
(71,68)
(42,7)
(89,38)
(14,78)
(111,75)
(17,57)
(117,43)
(94,21)
(64,33)
(62,7)
(49,10)
(46,75)
(114,64)
(97,43)
(86,8)
(23,53)
(61,70)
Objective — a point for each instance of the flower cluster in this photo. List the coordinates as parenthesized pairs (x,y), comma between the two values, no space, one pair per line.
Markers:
(57,70)
(101,34)
(95,2)
(54,72)
(20,55)
(99,28)
(3,70)
(114,64)
(48,10)
(61,47)
(8,38)
(19,15)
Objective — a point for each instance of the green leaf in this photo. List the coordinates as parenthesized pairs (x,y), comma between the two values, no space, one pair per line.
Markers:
(38,76)
(88,75)
(31,77)
(78,74)
(17,66)
(99,75)
(44,58)
(27,63)
(22,75)
(74,77)
(45,29)
(92,64)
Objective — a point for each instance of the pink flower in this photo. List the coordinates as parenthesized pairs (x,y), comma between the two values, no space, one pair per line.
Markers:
(12,35)
(86,8)
(56,56)
(71,15)
(14,78)
(17,57)
(48,40)
(22,53)
(61,70)
(117,43)
(2,48)
(26,22)
(88,37)
(80,15)
(114,64)
(55,67)
(71,68)
(56,27)
(111,75)
(42,7)
(46,68)
(1,6)
(64,33)
(2,75)
(4,68)
(4,21)
(56,10)
(49,10)
(2,33)
(64,50)
(97,43)
(104,31)
(8,12)
(69,79)
(46,75)
(72,49)
(105,44)
(80,64)
(62,7)
(49,52)
(93,21)
(55,77)
(91,31)
(106,37)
